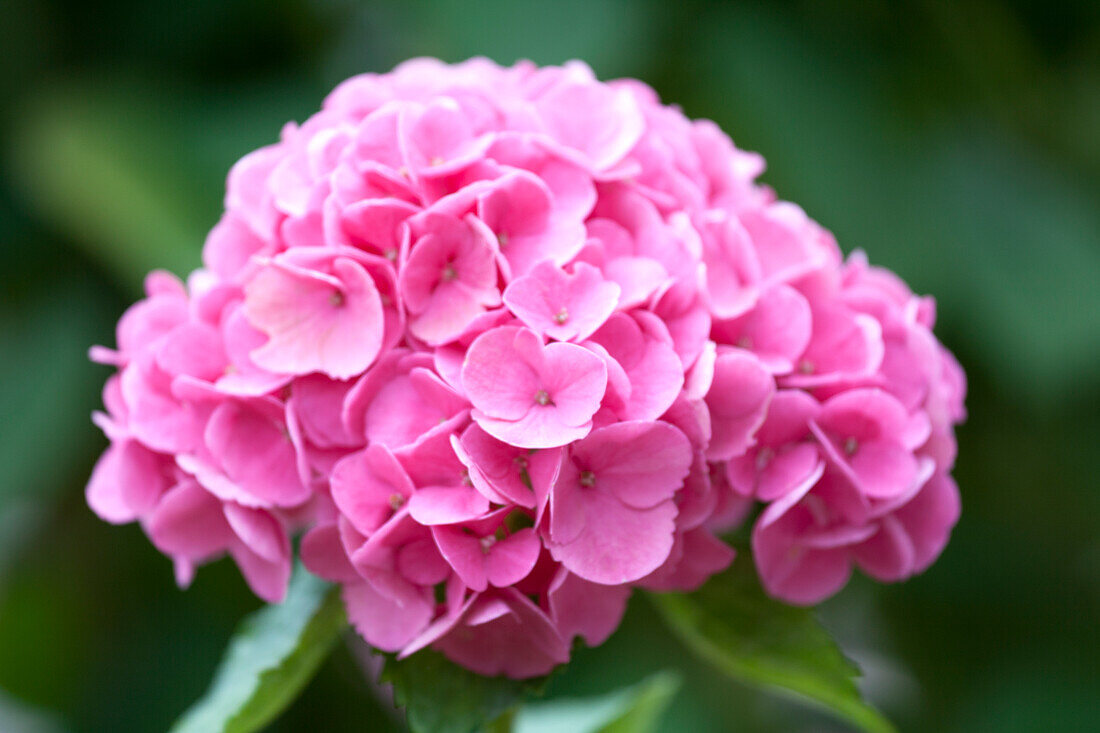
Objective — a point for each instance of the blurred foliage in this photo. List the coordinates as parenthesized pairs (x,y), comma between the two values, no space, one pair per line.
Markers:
(732,623)
(957,142)
(274,653)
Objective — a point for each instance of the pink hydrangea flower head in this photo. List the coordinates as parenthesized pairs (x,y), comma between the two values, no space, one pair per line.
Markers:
(502,344)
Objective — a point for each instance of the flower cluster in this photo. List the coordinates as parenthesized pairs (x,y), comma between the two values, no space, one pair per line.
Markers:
(504,344)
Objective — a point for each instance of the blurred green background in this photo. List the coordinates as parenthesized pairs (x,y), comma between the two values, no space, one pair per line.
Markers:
(957,142)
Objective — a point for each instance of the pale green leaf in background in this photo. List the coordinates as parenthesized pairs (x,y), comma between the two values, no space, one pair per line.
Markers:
(636,709)
(269,660)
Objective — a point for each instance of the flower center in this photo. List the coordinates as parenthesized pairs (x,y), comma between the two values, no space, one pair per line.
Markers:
(449,272)
(806,366)
(502,239)
(851,445)
(336,299)
(588,479)
(744,342)
(396,501)
(487,543)
(562,316)
(436,160)
(542,397)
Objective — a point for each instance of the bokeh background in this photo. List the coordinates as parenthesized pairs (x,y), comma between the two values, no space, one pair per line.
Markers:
(957,142)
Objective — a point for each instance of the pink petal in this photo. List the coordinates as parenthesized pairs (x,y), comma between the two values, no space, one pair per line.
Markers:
(255,453)
(929,517)
(562,306)
(447,505)
(464,553)
(777,329)
(588,610)
(189,522)
(260,532)
(268,579)
(738,402)
(640,463)
(323,555)
(889,554)
(793,573)
(789,470)
(511,559)
(448,280)
(600,122)
(521,642)
(618,544)
(499,384)
(314,322)
(368,486)
(420,562)
(387,623)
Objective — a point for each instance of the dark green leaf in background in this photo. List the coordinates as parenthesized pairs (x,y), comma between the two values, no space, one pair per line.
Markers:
(732,623)
(270,659)
(96,165)
(441,697)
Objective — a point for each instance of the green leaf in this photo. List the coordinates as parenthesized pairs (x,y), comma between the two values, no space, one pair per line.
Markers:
(732,623)
(110,184)
(270,659)
(441,697)
(636,709)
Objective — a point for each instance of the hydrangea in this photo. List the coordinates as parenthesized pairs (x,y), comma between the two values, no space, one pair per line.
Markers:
(503,344)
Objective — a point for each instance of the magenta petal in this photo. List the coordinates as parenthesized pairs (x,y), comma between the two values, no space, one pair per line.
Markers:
(189,522)
(367,486)
(789,470)
(511,559)
(520,642)
(864,414)
(738,402)
(316,322)
(268,579)
(387,623)
(640,463)
(575,380)
(323,555)
(883,469)
(588,610)
(568,512)
(888,555)
(255,453)
(929,517)
(104,491)
(802,579)
(499,384)
(194,349)
(420,562)
(600,122)
(259,530)
(447,505)
(796,574)
(318,402)
(777,329)
(562,306)
(618,544)
(465,553)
